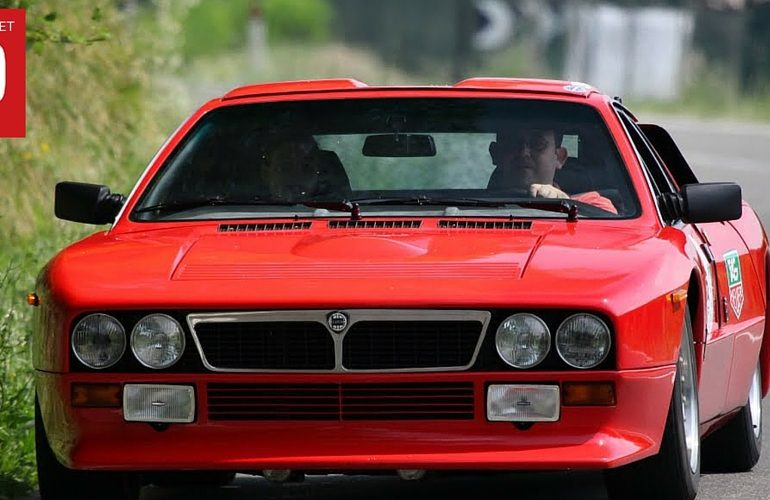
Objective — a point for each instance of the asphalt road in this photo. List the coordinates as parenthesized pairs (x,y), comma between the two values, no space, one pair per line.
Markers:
(717,152)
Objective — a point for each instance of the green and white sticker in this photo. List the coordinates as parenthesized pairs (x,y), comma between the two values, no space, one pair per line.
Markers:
(734,281)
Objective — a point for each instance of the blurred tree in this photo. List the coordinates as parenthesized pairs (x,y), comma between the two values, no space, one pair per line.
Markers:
(44,25)
(213,26)
(755,67)
(296,20)
(397,30)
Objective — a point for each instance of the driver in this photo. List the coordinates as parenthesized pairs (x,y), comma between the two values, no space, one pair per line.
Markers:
(296,169)
(528,158)
(290,172)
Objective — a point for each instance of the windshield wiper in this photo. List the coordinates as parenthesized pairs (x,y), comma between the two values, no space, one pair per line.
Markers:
(354,206)
(551,205)
(340,206)
(427,201)
(208,202)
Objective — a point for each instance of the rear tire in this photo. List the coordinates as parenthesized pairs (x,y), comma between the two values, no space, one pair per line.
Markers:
(57,482)
(736,446)
(674,473)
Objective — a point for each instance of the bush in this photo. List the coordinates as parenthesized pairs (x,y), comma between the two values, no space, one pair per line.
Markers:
(297,20)
(214,26)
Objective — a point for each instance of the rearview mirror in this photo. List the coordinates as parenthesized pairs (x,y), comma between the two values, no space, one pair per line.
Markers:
(88,203)
(399,145)
(711,202)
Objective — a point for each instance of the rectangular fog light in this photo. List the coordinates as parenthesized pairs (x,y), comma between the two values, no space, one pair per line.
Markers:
(158,403)
(523,403)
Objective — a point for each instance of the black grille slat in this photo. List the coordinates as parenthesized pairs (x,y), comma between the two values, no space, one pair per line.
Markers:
(343,401)
(397,401)
(416,416)
(372,345)
(287,345)
(481,224)
(263,226)
(276,416)
(375,224)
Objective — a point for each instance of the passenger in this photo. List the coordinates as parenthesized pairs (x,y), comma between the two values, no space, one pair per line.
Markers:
(528,158)
(296,169)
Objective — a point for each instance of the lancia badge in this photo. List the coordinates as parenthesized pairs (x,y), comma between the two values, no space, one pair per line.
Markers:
(337,321)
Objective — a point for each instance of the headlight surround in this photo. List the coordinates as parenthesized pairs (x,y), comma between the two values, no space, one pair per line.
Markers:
(98,341)
(523,340)
(583,341)
(157,341)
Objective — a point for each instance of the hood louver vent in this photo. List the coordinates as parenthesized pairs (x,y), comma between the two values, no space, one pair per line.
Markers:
(277,226)
(374,224)
(477,224)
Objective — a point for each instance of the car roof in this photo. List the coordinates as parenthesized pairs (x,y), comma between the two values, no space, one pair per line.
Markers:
(519,85)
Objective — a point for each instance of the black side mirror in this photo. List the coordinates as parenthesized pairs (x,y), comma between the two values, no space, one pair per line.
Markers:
(88,203)
(711,202)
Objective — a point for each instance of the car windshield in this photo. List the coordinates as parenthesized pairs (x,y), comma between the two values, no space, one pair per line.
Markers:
(384,156)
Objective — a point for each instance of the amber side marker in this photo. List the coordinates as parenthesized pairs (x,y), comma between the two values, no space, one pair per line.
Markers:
(33,299)
(588,394)
(678,298)
(97,395)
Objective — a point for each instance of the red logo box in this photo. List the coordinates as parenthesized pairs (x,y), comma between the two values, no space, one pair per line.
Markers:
(13,70)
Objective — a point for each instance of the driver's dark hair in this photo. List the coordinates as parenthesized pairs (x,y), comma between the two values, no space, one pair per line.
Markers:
(558,135)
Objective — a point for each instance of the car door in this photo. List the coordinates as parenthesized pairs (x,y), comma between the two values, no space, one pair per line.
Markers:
(714,354)
(732,281)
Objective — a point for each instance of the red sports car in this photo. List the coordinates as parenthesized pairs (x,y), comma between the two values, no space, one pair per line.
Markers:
(322,276)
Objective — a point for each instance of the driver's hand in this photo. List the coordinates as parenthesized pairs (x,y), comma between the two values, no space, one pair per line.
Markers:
(546,191)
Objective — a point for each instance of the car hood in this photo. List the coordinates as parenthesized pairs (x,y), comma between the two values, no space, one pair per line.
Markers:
(202,267)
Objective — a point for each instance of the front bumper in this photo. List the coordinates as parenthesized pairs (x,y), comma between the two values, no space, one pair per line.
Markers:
(583,437)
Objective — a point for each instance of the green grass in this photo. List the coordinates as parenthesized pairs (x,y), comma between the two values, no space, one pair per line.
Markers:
(710,101)
(16,431)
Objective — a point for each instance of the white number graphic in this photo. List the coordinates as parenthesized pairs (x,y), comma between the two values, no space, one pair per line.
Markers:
(2,73)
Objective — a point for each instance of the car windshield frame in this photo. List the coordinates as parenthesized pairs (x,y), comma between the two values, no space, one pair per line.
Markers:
(364,116)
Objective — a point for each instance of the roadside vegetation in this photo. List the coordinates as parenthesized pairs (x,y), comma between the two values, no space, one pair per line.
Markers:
(714,97)
(96,114)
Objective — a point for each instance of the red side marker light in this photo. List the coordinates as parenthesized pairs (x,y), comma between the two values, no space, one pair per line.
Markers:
(33,299)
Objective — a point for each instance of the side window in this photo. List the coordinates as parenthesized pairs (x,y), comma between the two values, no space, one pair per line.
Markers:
(658,174)
(571,143)
(670,154)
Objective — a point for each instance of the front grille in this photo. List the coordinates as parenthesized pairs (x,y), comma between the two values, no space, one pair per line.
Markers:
(341,401)
(274,345)
(382,340)
(388,345)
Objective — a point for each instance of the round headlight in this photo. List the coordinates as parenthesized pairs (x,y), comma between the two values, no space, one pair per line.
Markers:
(523,340)
(157,341)
(583,341)
(98,341)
